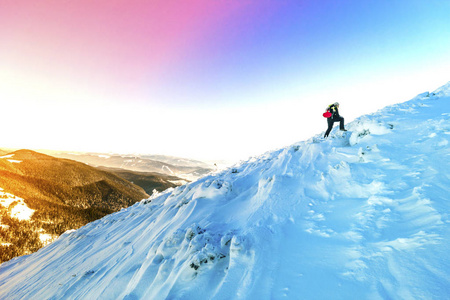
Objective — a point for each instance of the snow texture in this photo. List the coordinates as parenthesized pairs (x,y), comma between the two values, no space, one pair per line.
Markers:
(363,214)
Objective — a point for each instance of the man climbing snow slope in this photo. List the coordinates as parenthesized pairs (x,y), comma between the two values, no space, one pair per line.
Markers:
(333,116)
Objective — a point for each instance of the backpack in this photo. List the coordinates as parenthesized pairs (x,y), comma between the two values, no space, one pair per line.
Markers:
(327,114)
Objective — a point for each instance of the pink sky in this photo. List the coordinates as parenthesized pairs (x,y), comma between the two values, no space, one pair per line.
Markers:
(112,45)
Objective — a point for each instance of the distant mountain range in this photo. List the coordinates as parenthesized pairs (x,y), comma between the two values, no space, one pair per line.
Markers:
(174,166)
(149,181)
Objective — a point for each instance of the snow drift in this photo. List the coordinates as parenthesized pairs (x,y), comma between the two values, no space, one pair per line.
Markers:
(361,215)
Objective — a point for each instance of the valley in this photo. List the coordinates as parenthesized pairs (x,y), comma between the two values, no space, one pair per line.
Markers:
(42,196)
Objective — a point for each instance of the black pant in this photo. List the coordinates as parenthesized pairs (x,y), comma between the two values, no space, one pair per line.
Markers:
(331,122)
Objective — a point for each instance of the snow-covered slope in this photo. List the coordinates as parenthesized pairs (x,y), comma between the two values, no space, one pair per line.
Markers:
(361,215)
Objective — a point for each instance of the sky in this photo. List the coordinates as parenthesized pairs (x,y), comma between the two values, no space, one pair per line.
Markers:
(208,79)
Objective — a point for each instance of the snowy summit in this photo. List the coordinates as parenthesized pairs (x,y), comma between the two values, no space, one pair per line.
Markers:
(363,214)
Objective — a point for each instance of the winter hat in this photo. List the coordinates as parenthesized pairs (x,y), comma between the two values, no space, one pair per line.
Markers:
(336,103)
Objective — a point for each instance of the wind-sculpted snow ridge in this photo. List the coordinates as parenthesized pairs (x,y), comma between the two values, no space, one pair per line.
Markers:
(361,215)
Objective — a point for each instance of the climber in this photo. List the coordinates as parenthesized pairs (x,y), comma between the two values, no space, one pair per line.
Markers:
(333,116)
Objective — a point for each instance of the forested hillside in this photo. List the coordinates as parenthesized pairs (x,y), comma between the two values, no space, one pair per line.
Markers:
(43,196)
(149,181)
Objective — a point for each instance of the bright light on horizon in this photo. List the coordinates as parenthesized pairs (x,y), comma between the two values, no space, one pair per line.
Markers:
(204,134)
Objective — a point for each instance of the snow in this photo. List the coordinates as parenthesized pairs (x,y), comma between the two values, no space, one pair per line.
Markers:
(17,207)
(178,182)
(166,168)
(22,212)
(14,161)
(6,199)
(46,238)
(360,215)
(10,160)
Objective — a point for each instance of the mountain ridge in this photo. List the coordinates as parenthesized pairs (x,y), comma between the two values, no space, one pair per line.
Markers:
(149,181)
(68,174)
(165,165)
